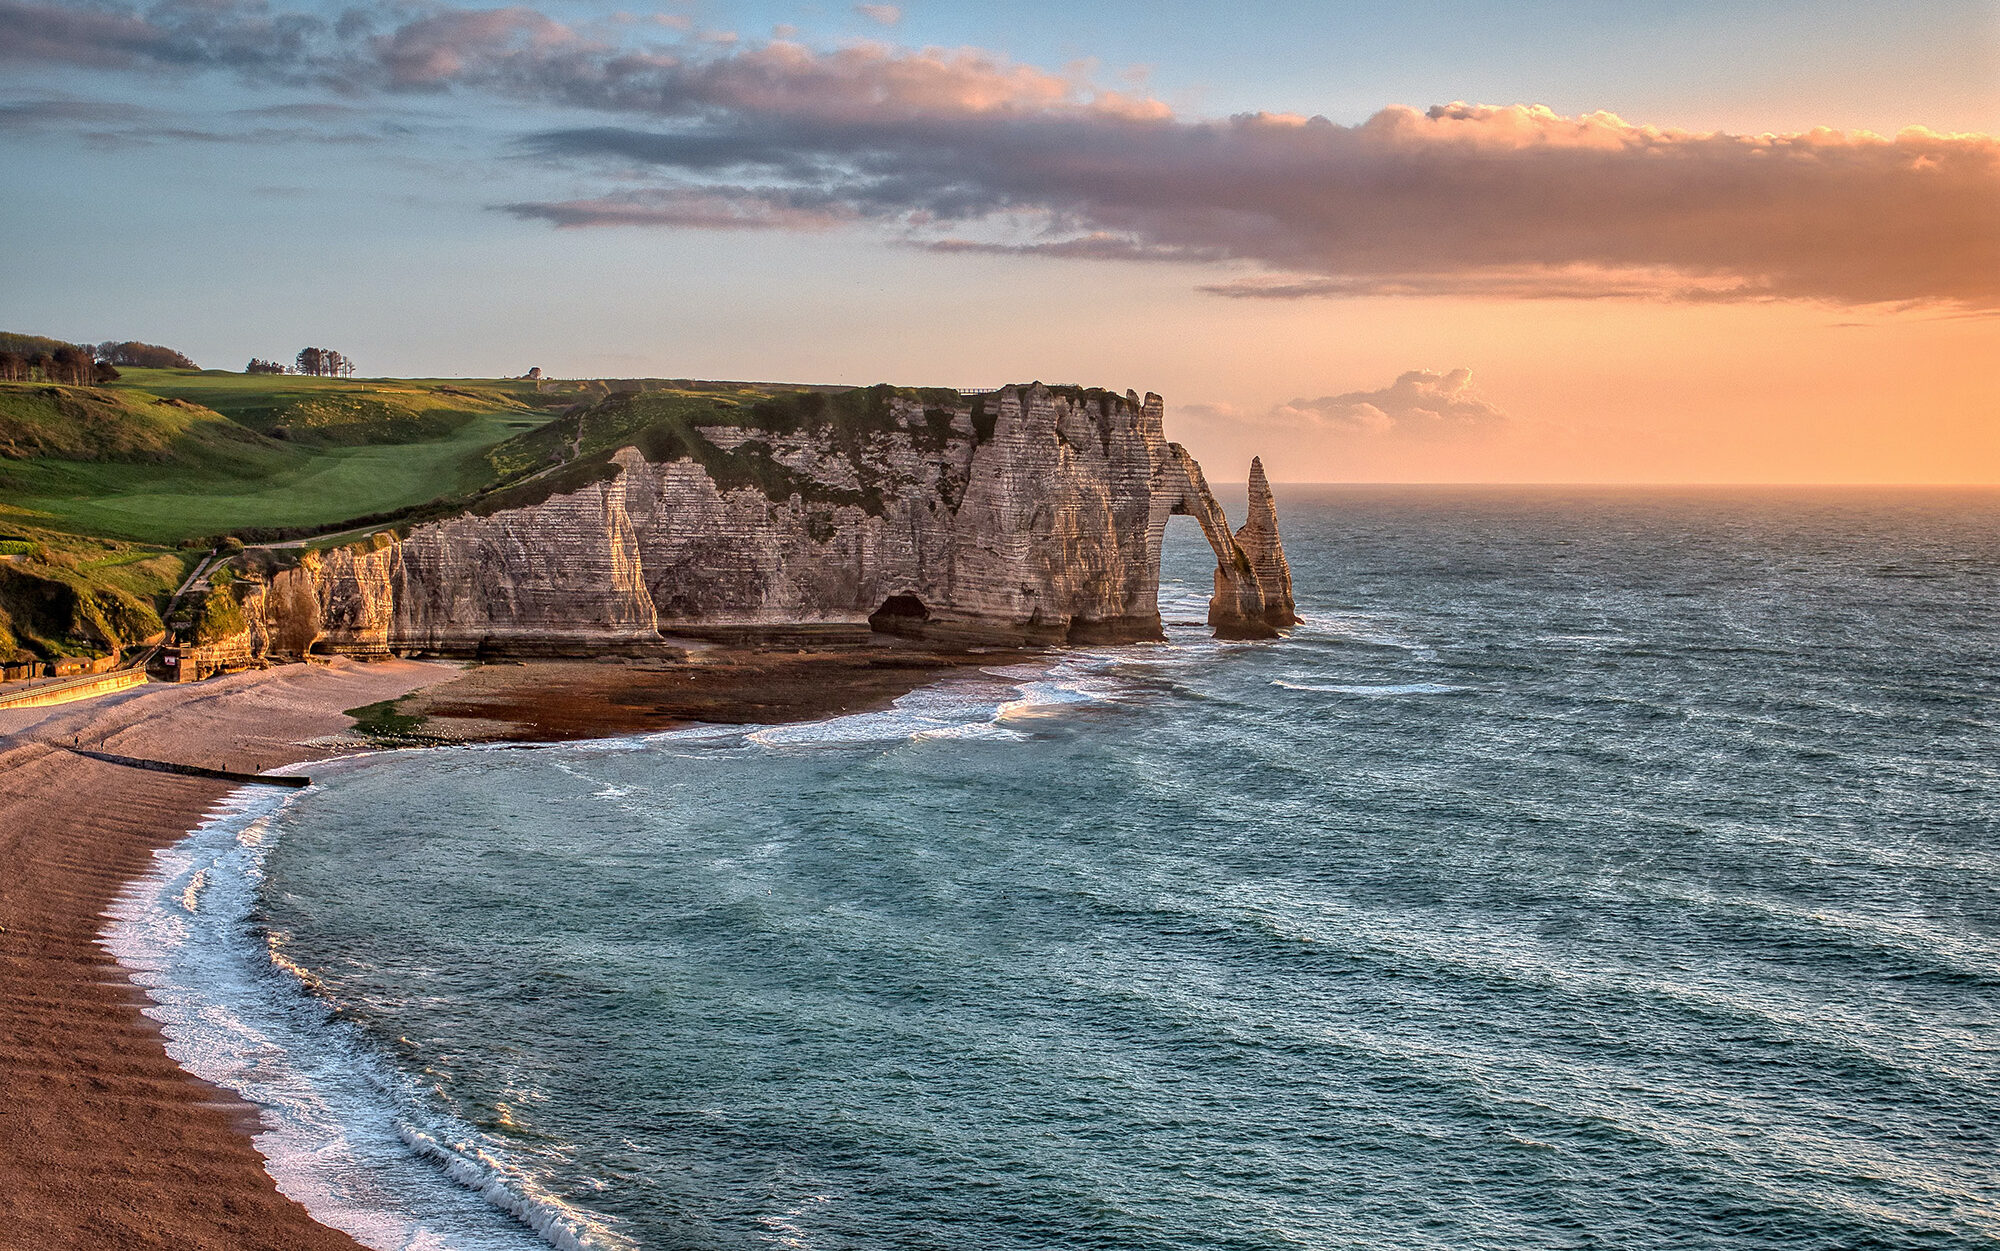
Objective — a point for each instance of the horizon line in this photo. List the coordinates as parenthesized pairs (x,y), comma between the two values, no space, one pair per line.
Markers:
(1636,483)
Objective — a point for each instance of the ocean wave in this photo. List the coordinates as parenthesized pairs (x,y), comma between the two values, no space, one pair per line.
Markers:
(236,1013)
(1404,688)
(557,1223)
(1363,630)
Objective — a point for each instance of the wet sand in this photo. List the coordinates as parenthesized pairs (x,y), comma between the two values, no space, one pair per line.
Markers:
(104,1141)
(551,700)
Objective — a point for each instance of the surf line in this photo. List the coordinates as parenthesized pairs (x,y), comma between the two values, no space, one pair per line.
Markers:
(196,771)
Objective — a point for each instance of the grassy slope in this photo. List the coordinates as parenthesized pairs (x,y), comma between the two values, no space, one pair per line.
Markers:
(180,454)
(339,411)
(68,595)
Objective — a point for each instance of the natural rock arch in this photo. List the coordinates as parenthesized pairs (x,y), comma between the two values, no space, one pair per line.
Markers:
(1253,585)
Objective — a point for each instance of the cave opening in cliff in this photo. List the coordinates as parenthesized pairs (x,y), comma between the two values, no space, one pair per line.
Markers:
(899,614)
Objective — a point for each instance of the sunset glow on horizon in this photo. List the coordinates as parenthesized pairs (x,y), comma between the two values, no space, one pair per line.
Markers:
(1750,244)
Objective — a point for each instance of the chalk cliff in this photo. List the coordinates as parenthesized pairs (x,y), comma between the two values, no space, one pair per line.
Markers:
(1034,514)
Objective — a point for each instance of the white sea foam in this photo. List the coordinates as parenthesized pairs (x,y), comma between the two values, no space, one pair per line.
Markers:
(1037,698)
(977,707)
(1368,629)
(339,1132)
(1402,688)
(560,1225)
(1183,600)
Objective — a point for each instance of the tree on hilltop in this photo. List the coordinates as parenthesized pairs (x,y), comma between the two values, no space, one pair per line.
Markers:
(324,362)
(257,366)
(143,355)
(27,345)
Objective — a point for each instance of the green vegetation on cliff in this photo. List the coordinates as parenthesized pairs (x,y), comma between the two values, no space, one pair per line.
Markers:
(667,424)
(103,488)
(218,616)
(55,604)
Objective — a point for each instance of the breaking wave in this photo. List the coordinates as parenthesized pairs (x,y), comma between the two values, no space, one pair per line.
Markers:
(1385,688)
(340,1129)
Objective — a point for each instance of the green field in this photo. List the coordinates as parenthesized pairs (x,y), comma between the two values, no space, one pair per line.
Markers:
(163,456)
(263,490)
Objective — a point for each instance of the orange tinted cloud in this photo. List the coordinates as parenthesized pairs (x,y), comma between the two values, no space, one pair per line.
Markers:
(1510,202)
(1420,403)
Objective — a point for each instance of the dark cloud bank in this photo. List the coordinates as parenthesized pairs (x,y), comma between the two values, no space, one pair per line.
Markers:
(963,150)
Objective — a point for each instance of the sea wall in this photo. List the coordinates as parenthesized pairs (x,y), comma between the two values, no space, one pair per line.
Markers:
(1034,515)
(69,690)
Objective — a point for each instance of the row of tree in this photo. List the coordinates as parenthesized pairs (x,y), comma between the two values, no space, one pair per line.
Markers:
(67,364)
(29,358)
(316,362)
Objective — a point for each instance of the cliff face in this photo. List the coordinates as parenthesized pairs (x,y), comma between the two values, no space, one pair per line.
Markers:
(1030,515)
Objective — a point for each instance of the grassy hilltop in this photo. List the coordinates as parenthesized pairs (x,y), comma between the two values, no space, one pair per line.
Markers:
(162,456)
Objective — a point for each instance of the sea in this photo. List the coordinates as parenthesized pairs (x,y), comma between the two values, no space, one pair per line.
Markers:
(1593,868)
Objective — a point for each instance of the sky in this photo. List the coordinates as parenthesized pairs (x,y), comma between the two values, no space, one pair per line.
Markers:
(1444,241)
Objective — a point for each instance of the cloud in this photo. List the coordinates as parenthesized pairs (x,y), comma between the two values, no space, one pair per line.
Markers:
(118,124)
(885,14)
(36,34)
(1420,403)
(240,35)
(1423,410)
(1459,200)
(436,50)
(711,209)
(51,112)
(965,150)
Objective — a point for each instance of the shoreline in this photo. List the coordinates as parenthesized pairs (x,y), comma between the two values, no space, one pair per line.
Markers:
(131,1150)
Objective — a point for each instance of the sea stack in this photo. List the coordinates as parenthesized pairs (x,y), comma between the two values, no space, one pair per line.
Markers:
(1260,542)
